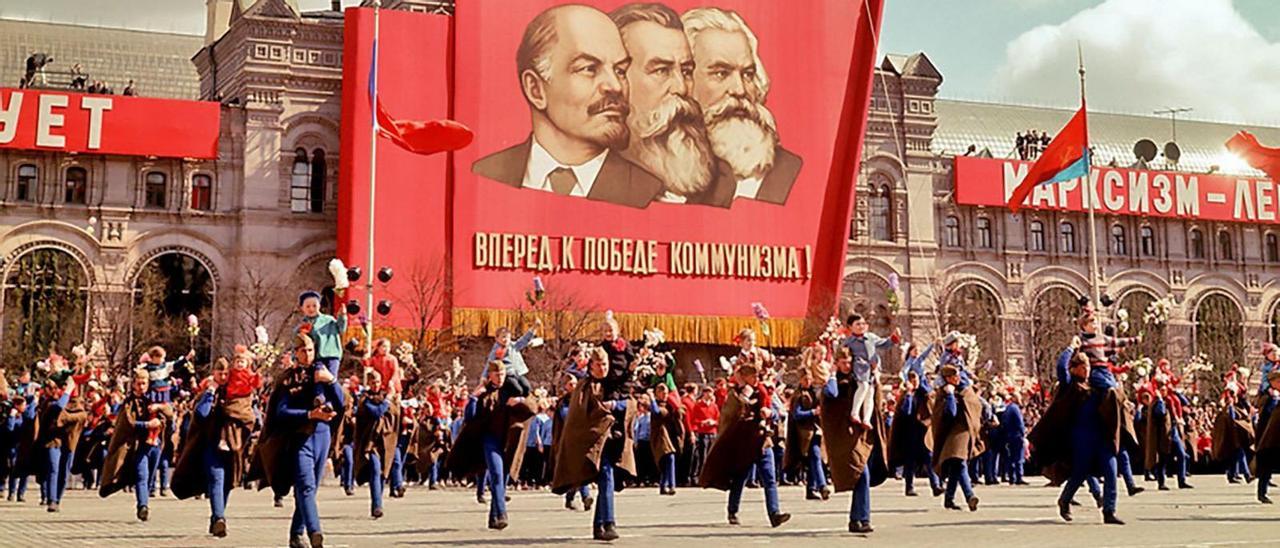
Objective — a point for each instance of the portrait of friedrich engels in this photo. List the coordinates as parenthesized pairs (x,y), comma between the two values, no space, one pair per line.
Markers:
(619,119)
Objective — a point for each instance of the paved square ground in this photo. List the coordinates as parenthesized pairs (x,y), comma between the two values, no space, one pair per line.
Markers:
(1213,514)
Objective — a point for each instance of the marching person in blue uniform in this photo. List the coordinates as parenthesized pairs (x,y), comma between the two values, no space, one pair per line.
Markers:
(557,434)
(135,444)
(855,451)
(910,438)
(1267,458)
(1014,432)
(493,407)
(208,464)
(377,421)
(957,412)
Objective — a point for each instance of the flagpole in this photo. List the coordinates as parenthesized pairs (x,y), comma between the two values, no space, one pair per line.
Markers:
(373,176)
(1089,194)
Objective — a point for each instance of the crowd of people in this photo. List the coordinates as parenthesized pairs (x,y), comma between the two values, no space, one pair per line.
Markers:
(615,416)
(1030,144)
(77,79)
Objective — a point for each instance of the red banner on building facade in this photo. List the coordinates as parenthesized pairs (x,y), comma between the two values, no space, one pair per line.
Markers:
(667,160)
(108,124)
(1120,191)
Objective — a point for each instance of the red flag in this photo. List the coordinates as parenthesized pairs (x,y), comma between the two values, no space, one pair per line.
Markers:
(424,137)
(1065,158)
(1265,159)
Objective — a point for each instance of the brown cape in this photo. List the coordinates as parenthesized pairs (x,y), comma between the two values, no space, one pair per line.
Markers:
(1268,447)
(588,435)
(1158,439)
(800,435)
(911,435)
(374,435)
(1230,435)
(189,471)
(126,441)
(853,450)
(491,418)
(62,427)
(270,463)
(433,444)
(741,437)
(1050,438)
(666,432)
(957,437)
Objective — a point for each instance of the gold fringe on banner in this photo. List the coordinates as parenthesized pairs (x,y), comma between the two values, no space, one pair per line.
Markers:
(677,328)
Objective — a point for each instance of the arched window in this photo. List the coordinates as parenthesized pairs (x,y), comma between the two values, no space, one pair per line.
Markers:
(1067,238)
(156,186)
(318,176)
(300,183)
(1224,246)
(1273,248)
(26,190)
(1148,241)
(951,232)
(169,288)
(1195,244)
(881,209)
(1119,244)
(77,186)
(201,192)
(984,233)
(45,300)
(1037,236)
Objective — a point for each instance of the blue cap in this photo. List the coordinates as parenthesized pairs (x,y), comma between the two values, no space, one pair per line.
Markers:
(310,293)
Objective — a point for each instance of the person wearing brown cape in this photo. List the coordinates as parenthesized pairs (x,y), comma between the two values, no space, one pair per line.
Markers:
(432,444)
(804,435)
(856,451)
(492,408)
(957,416)
(666,436)
(910,439)
(135,444)
(1233,435)
(557,434)
(1164,435)
(1267,458)
(596,444)
(745,440)
(203,466)
(375,438)
(61,419)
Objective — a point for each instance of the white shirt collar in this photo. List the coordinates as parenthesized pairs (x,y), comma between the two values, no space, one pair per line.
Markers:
(541,164)
(748,188)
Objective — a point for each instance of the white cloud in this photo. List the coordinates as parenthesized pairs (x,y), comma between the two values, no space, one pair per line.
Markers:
(1143,55)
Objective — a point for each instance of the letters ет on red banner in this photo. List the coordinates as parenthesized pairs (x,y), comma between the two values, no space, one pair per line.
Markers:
(1120,191)
(674,160)
(108,124)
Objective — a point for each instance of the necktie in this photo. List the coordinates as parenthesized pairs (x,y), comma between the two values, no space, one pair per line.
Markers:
(562,180)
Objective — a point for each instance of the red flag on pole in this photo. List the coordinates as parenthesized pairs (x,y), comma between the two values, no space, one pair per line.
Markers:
(1265,159)
(423,137)
(1066,157)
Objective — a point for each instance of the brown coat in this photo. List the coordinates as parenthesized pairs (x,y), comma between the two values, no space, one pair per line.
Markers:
(1158,439)
(271,461)
(589,435)
(374,435)
(189,472)
(127,441)
(492,418)
(1050,439)
(956,437)
(911,435)
(1230,435)
(743,433)
(853,450)
(800,433)
(432,442)
(61,427)
(667,432)
(1268,447)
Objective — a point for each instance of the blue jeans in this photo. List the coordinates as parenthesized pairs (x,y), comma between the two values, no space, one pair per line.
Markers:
(495,476)
(1082,466)
(375,480)
(397,462)
(217,488)
(956,472)
(990,465)
(1014,459)
(768,480)
(330,363)
(860,508)
(1238,465)
(604,485)
(347,471)
(1126,471)
(147,457)
(59,462)
(433,473)
(667,471)
(310,467)
(909,471)
(813,468)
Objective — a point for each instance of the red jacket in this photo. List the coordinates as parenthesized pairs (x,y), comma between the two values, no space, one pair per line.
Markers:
(702,412)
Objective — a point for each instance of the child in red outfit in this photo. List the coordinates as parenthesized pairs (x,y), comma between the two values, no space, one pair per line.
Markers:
(242,380)
(237,405)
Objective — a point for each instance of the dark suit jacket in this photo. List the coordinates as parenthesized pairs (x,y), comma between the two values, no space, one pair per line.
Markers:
(778,182)
(619,181)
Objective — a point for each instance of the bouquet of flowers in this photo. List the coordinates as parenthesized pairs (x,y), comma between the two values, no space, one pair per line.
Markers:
(1141,366)
(339,273)
(1122,315)
(538,293)
(1158,311)
(1199,364)
(831,336)
(971,349)
(893,297)
(762,315)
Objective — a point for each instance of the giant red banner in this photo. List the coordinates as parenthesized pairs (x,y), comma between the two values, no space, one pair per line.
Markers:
(681,159)
(1120,191)
(108,124)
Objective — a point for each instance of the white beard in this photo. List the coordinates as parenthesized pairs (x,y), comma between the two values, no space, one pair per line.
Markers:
(674,148)
(747,144)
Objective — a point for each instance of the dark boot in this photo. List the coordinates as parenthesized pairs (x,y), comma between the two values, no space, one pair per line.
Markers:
(733,519)
(144,513)
(218,528)
(298,541)
(1135,490)
(973,504)
(779,518)
(1110,518)
(586,504)
(317,540)
(1064,510)
(376,513)
(499,523)
(860,527)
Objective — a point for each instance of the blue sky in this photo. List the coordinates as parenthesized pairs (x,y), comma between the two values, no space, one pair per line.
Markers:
(1217,56)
